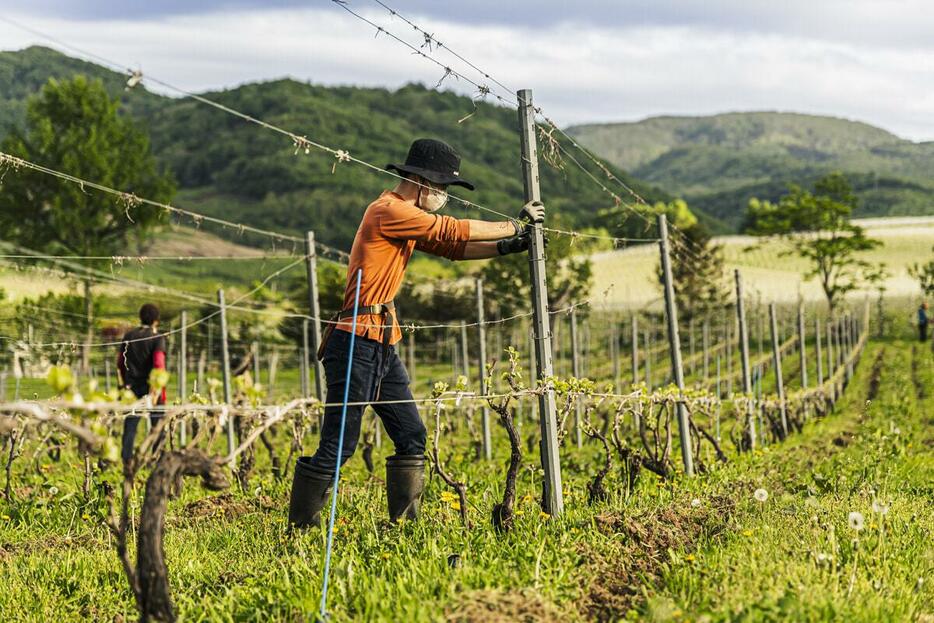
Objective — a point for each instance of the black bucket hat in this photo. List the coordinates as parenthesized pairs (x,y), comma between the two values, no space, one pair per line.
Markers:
(435,161)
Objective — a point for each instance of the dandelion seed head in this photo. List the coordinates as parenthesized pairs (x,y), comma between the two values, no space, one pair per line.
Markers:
(855,520)
(53,490)
(695,503)
(880,508)
(761,495)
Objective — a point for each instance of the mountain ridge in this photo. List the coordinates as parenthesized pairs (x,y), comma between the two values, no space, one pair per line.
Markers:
(718,162)
(234,169)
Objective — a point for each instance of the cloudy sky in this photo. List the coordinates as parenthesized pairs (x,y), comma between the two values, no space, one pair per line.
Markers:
(587,60)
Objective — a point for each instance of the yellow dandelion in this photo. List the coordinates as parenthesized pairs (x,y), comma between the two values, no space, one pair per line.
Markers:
(689,557)
(385,555)
(520,512)
(747,532)
(544,515)
(447,496)
(456,505)
(5,517)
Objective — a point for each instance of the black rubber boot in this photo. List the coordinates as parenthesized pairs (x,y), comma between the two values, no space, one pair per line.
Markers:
(310,487)
(405,479)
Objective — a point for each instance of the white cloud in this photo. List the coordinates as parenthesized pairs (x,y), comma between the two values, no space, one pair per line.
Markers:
(579,72)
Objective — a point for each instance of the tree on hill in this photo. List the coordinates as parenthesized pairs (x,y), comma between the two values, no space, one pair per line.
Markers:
(924,273)
(75,127)
(817,225)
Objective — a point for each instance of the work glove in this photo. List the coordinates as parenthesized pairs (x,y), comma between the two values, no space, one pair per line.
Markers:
(532,212)
(516,244)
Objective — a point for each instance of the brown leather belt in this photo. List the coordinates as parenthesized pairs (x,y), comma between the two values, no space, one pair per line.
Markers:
(383,310)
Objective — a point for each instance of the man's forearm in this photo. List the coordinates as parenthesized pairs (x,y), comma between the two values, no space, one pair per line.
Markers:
(490,230)
(480,250)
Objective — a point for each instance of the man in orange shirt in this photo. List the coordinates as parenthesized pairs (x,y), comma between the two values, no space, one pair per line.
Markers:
(398,223)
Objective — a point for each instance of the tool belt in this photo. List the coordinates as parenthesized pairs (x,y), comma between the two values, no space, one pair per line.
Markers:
(383,310)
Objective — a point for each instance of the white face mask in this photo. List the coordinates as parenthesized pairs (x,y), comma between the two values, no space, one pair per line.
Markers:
(434,201)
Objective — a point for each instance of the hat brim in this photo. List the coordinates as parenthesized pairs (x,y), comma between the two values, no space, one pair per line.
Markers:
(432,176)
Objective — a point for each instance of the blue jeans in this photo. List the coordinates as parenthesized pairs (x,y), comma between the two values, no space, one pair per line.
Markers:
(131,423)
(376,376)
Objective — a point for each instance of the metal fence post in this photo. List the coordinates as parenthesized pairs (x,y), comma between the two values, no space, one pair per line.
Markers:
(777,363)
(635,350)
(553,498)
(485,412)
(744,354)
(182,371)
(576,371)
(314,309)
(820,363)
(306,361)
(225,368)
(802,347)
(674,343)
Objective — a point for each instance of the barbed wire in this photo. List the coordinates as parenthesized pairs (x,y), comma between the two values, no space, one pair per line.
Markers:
(131,200)
(234,303)
(300,142)
(142,259)
(484,90)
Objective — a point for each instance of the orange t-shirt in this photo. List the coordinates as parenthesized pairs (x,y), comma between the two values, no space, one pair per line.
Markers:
(391,229)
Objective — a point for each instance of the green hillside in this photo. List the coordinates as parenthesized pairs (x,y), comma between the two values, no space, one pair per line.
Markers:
(237,170)
(717,163)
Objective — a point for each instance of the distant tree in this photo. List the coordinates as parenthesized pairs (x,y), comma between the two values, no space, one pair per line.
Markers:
(924,273)
(877,277)
(817,225)
(75,127)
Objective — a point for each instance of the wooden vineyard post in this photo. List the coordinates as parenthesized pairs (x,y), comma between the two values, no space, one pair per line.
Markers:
(576,372)
(744,355)
(553,499)
(484,390)
(225,368)
(777,363)
(674,343)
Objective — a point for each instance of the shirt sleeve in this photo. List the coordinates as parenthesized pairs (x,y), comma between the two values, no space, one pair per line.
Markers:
(450,250)
(401,220)
(160,345)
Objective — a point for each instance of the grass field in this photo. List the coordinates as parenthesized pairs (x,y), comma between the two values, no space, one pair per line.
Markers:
(700,549)
(628,276)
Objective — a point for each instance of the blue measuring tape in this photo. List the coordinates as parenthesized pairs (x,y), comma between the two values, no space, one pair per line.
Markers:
(340,450)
